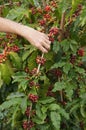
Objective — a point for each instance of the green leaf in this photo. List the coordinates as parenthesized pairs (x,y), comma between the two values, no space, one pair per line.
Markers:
(16,117)
(1,81)
(38,121)
(64,113)
(63,5)
(66,45)
(59,64)
(10,103)
(75,5)
(83,17)
(53,107)
(27,53)
(59,86)
(40,116)
(82,111)
(24,104)
(23,84)
(5,73)
(47,100)
(56,46)
(32,60)
(18,14)
(49,56)
(44,127)
(74,108)
(16,60)
(56,119)
(36,3)
(15,95)
(80,70)
(67,67)
(69,90)
(39,113)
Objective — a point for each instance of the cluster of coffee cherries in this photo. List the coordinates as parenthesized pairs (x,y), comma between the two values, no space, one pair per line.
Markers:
(33,84)
(47,13)
(49,92)
(72,58)
(33,97)
(40,60)
(78,11)
(57,72)
(28,125)
(13,48)
(3,58)
(54,31)
(81,52)
(7,50)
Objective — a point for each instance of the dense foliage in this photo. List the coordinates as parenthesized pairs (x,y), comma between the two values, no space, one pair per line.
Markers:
(44,91)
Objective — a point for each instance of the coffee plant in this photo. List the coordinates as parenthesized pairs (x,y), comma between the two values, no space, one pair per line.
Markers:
(44,91)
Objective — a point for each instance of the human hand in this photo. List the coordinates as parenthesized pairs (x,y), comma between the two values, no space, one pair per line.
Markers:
(37,39)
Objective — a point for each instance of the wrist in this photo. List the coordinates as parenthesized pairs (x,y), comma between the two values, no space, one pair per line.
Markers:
(24,31)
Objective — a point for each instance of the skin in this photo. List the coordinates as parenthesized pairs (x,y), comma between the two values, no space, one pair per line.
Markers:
(36,38)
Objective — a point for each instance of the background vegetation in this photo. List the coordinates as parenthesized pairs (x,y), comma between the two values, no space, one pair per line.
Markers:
(44,91)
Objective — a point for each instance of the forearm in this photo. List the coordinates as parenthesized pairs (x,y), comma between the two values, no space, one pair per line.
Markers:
(7,25)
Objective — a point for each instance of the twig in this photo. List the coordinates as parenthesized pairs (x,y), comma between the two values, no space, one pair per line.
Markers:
(62,21)
(44,3)
(61,95)
(38,69)
(7,4)
(60,37)
(30,111)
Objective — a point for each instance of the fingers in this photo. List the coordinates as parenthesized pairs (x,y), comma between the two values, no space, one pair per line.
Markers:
(46,46)
(41,48)
(44,43)
(45,36)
